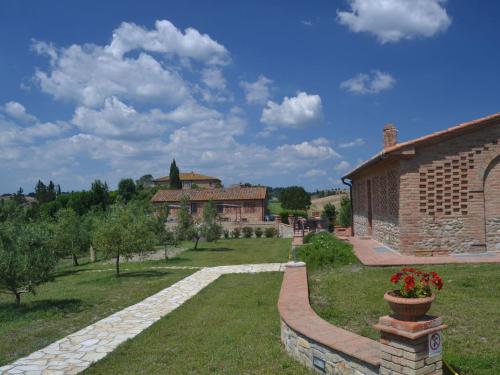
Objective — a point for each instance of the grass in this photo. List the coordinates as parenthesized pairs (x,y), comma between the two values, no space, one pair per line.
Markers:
(230,327)
(274,207)
(351,297)
(72,301)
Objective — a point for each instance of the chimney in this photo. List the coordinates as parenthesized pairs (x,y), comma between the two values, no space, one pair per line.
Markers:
(390,135)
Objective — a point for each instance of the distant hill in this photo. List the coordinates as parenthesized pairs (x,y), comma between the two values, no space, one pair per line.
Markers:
(318,203)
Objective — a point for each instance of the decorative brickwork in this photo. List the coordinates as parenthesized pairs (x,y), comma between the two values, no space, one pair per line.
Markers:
(436,195)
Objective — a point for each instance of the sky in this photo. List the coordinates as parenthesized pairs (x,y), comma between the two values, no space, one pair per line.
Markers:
(268,92)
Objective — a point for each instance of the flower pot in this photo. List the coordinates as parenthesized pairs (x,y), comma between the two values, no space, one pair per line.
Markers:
(409,309)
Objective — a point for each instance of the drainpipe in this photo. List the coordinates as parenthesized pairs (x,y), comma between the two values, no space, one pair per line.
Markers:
(350,198)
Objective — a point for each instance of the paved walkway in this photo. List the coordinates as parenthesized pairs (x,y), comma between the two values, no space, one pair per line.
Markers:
(76,352)
(373,253)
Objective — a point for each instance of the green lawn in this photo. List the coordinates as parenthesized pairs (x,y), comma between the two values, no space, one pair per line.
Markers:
(75,299)
(274,207)
(352,297)
(230,327)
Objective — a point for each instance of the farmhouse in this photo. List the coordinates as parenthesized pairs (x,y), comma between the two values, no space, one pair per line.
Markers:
(436,194)
(191,180)
(236,204)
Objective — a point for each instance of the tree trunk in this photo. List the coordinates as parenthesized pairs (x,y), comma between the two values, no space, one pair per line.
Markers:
(93,257)
(75,260)
(18,298)
(166,252)
(117,265)
(196,243)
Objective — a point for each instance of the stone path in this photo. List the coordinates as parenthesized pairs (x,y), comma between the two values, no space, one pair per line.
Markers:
(76,352)
(373,253)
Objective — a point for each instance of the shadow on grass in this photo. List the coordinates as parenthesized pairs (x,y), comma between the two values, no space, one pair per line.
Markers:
(11,312)
(214,249)
(145,273)
(67,272)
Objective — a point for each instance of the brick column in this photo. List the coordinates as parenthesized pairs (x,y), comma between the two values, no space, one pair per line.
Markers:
(411,348)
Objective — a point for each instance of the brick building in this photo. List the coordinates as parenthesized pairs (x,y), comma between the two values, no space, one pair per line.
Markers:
(237,204)
(436,194)
(191,180)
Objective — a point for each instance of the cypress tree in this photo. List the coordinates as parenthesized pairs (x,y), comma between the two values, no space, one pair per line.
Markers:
(175,180)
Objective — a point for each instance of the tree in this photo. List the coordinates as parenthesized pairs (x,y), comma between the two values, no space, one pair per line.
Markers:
(126,189)
(167,238)
(71,236)
(175,179)
(122,232)
(19,196)
(26,259)
(329,211)
(187,228)
(99,194)
(41,192)
(51,192)
(345,212)
(294,198)
(145,182)
(210,230)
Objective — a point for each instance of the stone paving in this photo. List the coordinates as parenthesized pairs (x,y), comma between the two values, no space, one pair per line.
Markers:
(372,253)
(76,352)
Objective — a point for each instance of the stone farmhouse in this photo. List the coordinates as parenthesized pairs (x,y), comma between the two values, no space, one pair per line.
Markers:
(235,204)
(437,194)
(190,180)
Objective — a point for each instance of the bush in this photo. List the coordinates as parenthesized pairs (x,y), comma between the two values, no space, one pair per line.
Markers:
(345,215)
(270,232)
(258,232)
(325,250)
(285,213)
(308,237)
(247,232)
(226,234)
(236,233)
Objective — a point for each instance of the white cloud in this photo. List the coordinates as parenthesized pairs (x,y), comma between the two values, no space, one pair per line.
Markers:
(315,173)
(117,120)
(354,143)
(87,74)
(257,92)
(393,20)
(213,78)
(294,112)
(369,84)
(168,39)
(343,166)
(17,111)
(309,150)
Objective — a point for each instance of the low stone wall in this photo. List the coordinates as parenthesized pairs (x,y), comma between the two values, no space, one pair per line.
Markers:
(316,343)
(285,230)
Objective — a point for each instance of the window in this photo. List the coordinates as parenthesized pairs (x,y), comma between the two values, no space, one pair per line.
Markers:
(220,207)
(194,208)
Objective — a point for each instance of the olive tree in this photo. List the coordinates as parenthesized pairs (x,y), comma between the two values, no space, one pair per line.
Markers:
(71,234)
(210,229)
(26,258)
(123,232)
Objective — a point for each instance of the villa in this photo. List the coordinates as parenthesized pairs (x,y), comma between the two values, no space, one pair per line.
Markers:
(437,194)
(191,180)
(235,204)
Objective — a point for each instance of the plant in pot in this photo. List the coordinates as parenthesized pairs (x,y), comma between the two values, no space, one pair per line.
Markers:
(415,294)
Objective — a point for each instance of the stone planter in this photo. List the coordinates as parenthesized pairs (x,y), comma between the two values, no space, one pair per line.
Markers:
(409,309)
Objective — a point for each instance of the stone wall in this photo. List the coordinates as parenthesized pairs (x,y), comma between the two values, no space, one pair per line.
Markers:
(309,353)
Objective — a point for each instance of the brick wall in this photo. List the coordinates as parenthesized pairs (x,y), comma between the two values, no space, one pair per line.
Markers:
(442,194)
(492,208)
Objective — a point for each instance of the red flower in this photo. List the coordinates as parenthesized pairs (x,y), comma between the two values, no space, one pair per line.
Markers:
(396,277)
(409,282)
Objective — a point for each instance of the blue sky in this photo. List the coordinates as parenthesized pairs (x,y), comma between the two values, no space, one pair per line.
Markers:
(274,92)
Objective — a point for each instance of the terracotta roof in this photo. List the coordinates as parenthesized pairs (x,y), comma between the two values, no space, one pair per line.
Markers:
(430,138)
(189,176)
(222,194)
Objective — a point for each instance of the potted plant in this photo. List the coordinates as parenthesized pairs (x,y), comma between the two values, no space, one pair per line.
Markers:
(415,294)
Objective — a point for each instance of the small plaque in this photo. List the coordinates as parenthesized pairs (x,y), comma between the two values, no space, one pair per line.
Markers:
(435,344)
(319,363)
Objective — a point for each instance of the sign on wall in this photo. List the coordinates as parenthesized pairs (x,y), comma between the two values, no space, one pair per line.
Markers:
(435,344)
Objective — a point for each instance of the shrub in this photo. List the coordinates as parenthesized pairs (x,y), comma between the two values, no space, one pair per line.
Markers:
(308,237)
(258,232)
(226,234)
(236,232)
(270,232)
(285,213)
(247,232)
(344,216)
(325,250)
